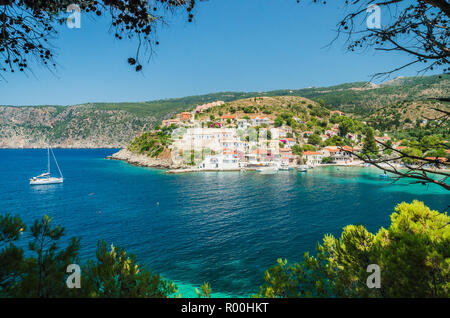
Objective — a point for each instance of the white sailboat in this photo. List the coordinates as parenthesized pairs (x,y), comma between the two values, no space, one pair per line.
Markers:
(46,178)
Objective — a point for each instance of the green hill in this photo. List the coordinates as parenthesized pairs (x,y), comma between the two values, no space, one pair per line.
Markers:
(116,124)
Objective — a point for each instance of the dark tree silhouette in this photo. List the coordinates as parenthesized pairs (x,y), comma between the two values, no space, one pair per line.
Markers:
(28,26)
(418,28)
(421,169)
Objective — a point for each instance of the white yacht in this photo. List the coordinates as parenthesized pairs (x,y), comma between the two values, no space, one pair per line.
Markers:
(46,178)
(268,170)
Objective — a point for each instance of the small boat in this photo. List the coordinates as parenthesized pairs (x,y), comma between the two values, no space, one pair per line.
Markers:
(384,175)
(46,178)
(302,168)
(285,167)
(267,170)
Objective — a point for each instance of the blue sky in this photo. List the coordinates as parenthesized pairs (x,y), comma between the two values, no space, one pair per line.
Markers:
(233,45)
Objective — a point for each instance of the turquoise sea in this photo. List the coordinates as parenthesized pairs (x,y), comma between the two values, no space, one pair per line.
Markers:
(225,228)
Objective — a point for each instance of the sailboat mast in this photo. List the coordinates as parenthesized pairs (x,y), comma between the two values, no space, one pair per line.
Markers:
(48,160)
(57,165)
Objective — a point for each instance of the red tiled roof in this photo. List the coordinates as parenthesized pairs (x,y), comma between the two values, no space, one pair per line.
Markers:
(442,159)
(260,151)
(260,117)
(347,148)
(308,153)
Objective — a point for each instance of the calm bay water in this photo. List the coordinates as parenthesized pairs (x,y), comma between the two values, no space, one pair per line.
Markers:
(225,228)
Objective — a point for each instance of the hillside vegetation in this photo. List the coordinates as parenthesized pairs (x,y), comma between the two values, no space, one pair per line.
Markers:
(269,107)
(401,102)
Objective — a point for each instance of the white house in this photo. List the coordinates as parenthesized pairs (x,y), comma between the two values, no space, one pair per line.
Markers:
(338,154)
(258,121)
(313,158)
(225,161)
(290,142)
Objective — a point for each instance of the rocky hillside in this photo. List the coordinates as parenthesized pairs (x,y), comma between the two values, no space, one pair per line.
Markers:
(82,126)
(401,100)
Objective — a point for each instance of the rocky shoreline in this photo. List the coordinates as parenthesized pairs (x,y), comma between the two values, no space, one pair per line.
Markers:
(143,160)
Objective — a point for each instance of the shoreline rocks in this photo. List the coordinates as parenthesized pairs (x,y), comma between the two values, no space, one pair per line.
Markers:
(143,160)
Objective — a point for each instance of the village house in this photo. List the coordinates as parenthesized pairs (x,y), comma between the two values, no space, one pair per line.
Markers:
(201,138)
(289,142)
(226,117)
(258,121)
(283,131)
(313,158)
(243,124)
(184,116)
(383,139)
(228,160)
(437,159)
(437,162)
(286,156)
(169,122)
(259,156)
(234,144)
(331,133)
(339,155)
(337,112)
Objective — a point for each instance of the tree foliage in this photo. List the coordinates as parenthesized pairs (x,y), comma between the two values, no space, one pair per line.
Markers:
(413,255)
(28,26)
(370,146)
(419,29)
(42,271)
(116,274)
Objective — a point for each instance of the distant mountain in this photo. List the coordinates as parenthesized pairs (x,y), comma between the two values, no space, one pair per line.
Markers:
(116,124)
(365,98)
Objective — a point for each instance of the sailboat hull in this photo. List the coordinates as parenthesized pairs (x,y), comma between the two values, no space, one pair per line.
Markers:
(50,180)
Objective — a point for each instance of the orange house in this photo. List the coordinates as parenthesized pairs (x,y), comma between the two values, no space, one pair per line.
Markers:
(286,155)
(225,117)
(185,116)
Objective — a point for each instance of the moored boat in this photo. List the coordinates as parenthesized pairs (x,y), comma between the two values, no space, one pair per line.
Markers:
(46,178)
(302,168)
(268,170)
